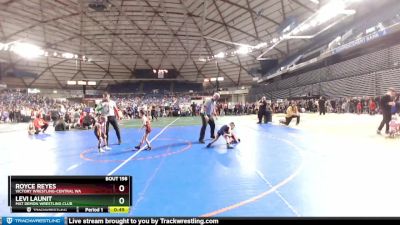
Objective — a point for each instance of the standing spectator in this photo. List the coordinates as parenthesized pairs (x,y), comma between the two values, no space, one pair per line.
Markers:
(333,105)
(359,108)
(372,107)
(153,113)
(207,117)
(321,104)
(386,107)
(310,106)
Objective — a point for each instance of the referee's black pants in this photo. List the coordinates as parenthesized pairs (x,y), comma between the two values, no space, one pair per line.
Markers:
(322,110)
(262,114)
(387,116)
(114,123)
(204,126)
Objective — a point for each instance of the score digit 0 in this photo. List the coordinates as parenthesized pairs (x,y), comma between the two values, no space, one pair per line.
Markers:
(121,188)
(121,200)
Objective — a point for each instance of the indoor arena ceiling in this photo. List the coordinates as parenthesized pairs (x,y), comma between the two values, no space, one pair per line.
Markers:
(144,34)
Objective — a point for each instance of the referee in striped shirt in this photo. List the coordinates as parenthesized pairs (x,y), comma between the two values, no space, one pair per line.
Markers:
(207,117)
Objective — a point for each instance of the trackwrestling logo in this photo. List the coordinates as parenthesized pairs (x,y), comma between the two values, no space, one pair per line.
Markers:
(32,220)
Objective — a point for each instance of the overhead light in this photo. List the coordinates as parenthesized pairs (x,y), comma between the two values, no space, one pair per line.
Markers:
(81,82)
(274,40)
(55,54)
(243,50)
(71,82)
(354,0)
(33,91)
(67,55)
(220,55)
(220,78)
(213,79)
(349,12)
(206,80)
(91,83)
(27,50)
(329,11)
(55,92)
(261,45)
(287,29)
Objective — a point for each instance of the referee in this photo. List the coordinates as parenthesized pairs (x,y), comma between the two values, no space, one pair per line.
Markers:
(262,110)
(207,116)
(108,109)
(386,106)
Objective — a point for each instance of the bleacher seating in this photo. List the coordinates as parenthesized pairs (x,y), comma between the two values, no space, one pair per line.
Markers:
(149,87)
(367,75)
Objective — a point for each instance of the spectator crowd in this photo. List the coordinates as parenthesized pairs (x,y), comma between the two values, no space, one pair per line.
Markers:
(19,106)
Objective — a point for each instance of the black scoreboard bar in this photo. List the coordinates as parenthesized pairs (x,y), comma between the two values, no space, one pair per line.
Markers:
(89,194)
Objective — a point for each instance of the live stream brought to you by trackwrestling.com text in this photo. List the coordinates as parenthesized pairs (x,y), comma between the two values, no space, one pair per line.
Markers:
(31,197)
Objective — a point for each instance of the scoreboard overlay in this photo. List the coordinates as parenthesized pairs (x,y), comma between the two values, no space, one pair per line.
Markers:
(70,194)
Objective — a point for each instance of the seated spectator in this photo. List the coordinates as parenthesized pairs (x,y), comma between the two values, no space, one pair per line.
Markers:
(54,116)
(61,125)
(76,120)
(87,121)
(4,117)
(67,118)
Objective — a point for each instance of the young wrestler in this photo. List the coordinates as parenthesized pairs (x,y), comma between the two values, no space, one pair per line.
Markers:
(394,127)
(31,128)
(226,131)
(147,127)
(101,134)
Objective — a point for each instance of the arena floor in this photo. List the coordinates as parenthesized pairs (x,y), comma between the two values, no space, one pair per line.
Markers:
(333,165)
